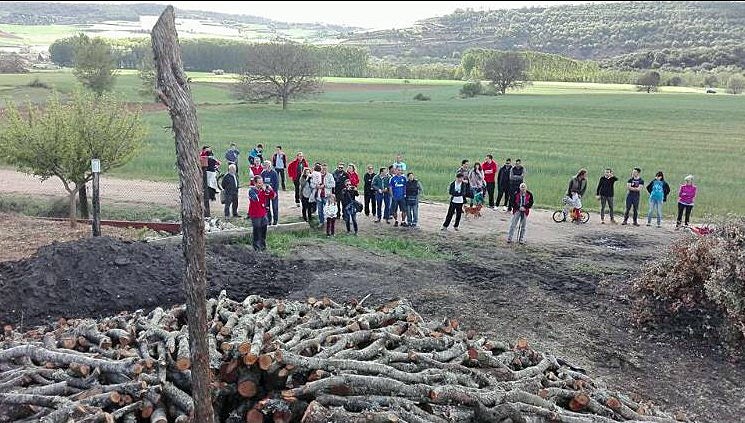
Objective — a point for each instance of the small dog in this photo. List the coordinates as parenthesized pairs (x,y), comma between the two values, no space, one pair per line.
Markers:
(474,211)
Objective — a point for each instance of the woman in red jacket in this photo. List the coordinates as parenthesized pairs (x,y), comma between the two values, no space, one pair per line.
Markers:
(295,170)
(354,178)
(258,196)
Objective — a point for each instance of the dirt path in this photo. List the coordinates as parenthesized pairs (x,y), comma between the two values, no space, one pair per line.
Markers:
(540,230)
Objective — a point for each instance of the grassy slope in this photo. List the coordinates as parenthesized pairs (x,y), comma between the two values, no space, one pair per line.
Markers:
(554,128)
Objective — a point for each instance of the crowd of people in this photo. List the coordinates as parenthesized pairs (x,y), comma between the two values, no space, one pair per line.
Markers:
(393,192)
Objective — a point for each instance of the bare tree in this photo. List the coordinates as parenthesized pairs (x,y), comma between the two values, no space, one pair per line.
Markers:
(280,71)
(505,70)
(648,82)
(173,90)
(736,84)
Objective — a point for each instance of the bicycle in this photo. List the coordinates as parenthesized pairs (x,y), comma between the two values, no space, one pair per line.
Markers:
(561,215)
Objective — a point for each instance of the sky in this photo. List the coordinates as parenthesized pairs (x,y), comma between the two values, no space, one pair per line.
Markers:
(365,14)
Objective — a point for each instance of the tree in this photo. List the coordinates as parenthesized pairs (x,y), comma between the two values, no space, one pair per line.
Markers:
(146,73)
(173,90)
(59,140)
(280,71)
(711,80)
(13,63)
(648,82)
(94,64)
(505,70)
(736,84)
(62,51)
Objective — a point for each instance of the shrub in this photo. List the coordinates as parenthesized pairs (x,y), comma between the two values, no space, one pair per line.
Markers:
(37,83)
(675,81)
(471,89)
(422,97)
(736,84)
(702,274)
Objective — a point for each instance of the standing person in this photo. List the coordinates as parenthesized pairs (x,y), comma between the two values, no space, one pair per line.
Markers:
(387,194)
(330,210)
(295,170)
(575,191)
(255,169)
(503,184)
(380,188)
(307,194)
(398,196)
(258,195)
(230,187)
(658,190)
(522,202)
(256,156)
(231,156)
(413,191)
(457,191)
(324,185)
(369,191)
(633,186)
(279,162)
(340,179)
(686,197)
(354,177)
(604,193)
(517,176)
(476,183)
(348,196)
(399,163)
(463,168)
(490,169)
(271,178)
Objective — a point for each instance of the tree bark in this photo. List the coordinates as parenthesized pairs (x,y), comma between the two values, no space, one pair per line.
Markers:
(174,91)
(83,197)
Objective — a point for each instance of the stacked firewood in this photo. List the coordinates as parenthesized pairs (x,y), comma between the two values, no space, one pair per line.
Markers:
(283,361)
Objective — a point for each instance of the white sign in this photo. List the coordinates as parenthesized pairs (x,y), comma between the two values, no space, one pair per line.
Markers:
(96,165)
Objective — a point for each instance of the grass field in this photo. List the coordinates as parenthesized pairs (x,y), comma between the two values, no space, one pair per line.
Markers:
(555,128)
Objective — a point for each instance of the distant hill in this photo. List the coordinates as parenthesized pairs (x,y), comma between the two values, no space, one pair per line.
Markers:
(634,30)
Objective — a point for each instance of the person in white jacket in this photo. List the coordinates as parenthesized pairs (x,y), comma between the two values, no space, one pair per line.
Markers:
(324,188)
(330,210)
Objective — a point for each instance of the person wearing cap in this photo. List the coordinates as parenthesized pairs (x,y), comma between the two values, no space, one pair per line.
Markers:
(279,162)
(340,179)
(457,193)
(686,197)
(522,203)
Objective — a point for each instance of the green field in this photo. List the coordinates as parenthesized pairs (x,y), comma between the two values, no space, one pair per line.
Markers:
(555,128)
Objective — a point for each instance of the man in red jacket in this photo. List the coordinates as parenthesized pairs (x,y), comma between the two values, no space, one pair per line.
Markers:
(490,168)
(295,170)
(258,196)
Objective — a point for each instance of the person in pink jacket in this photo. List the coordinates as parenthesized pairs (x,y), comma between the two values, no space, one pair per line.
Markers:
(686,196)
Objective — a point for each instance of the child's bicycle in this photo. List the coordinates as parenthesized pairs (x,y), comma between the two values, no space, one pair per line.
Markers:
(576,215)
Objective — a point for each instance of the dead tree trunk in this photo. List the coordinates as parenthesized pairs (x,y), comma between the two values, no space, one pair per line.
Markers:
(173,90)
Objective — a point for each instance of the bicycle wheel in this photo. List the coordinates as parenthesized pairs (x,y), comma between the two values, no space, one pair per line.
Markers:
(584,217)
(559,216)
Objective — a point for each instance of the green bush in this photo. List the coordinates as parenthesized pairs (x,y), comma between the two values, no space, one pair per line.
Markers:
(37,83)
(471,89)
(422,97)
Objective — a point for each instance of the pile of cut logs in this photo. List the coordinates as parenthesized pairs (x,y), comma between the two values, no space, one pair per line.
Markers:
(283,361)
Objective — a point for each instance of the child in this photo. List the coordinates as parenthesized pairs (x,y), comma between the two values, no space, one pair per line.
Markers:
(330,210)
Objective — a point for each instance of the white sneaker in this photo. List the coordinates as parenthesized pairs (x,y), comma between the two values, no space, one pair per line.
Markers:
(494,208)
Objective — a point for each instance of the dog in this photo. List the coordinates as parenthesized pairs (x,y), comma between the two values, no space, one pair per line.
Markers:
(473,211)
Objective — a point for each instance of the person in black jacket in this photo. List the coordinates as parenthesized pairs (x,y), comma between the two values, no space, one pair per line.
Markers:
(604,193)
(458,189)
(230,186)
(340,178)
(348,196)
(503,183)
(369,191)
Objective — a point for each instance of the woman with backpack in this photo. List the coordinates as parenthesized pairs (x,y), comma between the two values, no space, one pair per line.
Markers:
(658,190)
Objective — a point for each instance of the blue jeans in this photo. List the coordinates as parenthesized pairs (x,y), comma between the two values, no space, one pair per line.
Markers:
(350,216)
(272,210)
(412,210)
(655,206)
(320,204)
(383,200)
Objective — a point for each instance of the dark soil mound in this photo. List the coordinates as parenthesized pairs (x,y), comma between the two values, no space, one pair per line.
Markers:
(100,276)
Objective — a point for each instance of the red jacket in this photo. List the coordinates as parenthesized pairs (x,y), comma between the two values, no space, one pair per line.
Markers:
(292,169)
(257,200)
(256,170)
(490,171)
(354,178)
(528,202)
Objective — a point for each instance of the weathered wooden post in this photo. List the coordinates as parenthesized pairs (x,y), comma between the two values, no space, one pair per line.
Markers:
(96,170)
(173,90)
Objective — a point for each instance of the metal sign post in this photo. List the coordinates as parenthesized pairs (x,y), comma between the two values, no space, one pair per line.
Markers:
(96,169)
